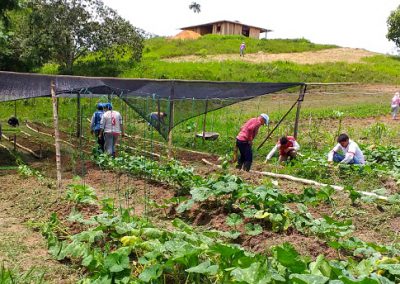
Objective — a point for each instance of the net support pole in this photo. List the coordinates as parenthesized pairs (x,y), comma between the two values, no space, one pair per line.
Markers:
(56,134)
(277,125)
(205,120)
(171,120)
(78,115)
(299,101)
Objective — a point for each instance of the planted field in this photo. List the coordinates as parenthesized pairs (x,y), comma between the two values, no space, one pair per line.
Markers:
(143,218)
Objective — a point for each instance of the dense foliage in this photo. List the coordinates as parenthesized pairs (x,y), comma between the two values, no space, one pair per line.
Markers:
(393,23)
(119,248)
(63,31)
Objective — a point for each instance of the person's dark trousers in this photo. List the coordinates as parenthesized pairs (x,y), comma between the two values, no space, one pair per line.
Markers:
(100,140)
(246,155)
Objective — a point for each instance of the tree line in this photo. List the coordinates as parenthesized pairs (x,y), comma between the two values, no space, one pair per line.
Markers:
(35,32)
(65,32)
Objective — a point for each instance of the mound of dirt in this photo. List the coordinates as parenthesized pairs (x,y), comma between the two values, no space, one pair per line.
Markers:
(186,35)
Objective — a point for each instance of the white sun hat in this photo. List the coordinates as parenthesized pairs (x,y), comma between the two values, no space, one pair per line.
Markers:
(266,118)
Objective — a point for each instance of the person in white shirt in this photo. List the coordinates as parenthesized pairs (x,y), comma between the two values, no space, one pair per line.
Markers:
(111,127)
(287,146)
(346,152)
(395,105)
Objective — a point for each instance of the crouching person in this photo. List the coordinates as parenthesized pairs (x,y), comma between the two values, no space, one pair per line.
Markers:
(346,152)
(287,146)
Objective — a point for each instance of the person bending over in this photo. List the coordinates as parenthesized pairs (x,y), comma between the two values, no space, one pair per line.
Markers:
(244,140)
(287,147)
(346,152)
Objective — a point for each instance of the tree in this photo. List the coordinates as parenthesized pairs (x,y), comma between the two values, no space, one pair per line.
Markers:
(195,7)
(393,23)
(66,30)
(7,5)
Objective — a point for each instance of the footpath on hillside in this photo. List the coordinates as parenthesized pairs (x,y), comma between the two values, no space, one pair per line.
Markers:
(344,54)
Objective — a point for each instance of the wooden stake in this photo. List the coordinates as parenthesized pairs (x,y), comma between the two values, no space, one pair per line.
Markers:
(299,101)
(56,134)
(205,120)
(171,121)
(78,115)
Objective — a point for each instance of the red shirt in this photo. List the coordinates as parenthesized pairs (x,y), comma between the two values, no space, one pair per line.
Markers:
(290,143)
(249,130)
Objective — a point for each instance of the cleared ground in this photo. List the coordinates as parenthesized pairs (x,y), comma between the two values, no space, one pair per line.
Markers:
(349,55)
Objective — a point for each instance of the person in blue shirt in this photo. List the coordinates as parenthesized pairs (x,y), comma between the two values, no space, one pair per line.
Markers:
(95,125)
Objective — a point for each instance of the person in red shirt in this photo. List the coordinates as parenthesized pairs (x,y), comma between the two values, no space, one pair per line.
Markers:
(245,138)
(287,147)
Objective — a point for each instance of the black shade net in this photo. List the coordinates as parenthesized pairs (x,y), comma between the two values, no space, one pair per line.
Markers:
(162,103)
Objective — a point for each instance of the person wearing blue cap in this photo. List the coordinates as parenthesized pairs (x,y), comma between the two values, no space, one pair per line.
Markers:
(244,140)
(95,125)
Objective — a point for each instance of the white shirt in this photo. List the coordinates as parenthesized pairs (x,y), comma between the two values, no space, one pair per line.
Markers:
(111,122)
(352,150)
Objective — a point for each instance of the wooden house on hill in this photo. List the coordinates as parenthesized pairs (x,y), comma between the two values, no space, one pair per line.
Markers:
(228,28)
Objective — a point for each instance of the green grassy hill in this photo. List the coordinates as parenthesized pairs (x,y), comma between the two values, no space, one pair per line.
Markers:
(374,69)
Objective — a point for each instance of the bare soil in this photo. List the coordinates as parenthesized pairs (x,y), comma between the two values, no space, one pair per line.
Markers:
(343,54)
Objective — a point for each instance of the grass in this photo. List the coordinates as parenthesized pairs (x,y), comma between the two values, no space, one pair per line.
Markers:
(378,69)
(375,69)
(161,47)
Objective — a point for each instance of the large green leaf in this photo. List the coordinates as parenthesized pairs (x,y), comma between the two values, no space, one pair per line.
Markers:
(308,279)
(247,275)
(234,220)
(200,193)
(393,269)
(288,257)
(116,262)
(151,273)
(253,229)
(204,268)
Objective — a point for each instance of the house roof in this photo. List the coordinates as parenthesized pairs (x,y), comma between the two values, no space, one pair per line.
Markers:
(222,21)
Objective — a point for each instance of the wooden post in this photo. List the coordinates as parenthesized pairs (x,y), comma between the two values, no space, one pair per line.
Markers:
(299,101)
(78,115)
(158,115)
(205,120)
(15,108)
(171,120)
(56,135)
(276,126)
(15,142)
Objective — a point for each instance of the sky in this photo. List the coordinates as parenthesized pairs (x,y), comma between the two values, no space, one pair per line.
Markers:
(347,23)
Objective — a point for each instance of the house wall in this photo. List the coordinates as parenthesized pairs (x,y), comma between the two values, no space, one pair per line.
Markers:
(228,28)
(225,29)
(254,33)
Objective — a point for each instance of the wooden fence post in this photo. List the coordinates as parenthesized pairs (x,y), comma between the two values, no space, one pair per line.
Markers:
(299,101)
(56,134)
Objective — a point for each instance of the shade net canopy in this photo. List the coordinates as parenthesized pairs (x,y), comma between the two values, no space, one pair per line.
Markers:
(162,103)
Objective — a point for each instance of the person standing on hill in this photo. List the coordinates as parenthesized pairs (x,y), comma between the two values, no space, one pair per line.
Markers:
(244,140)
(395,105)
(242,49)
(111,126)
(95,126)
(346,152)
(287,146)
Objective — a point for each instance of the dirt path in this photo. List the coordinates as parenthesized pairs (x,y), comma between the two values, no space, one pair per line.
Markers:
(23,200)
(349,55)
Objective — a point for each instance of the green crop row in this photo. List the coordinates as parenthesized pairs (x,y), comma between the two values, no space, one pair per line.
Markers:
(119,248)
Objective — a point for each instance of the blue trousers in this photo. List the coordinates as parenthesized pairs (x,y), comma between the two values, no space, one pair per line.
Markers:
(246,155)
(338,158)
